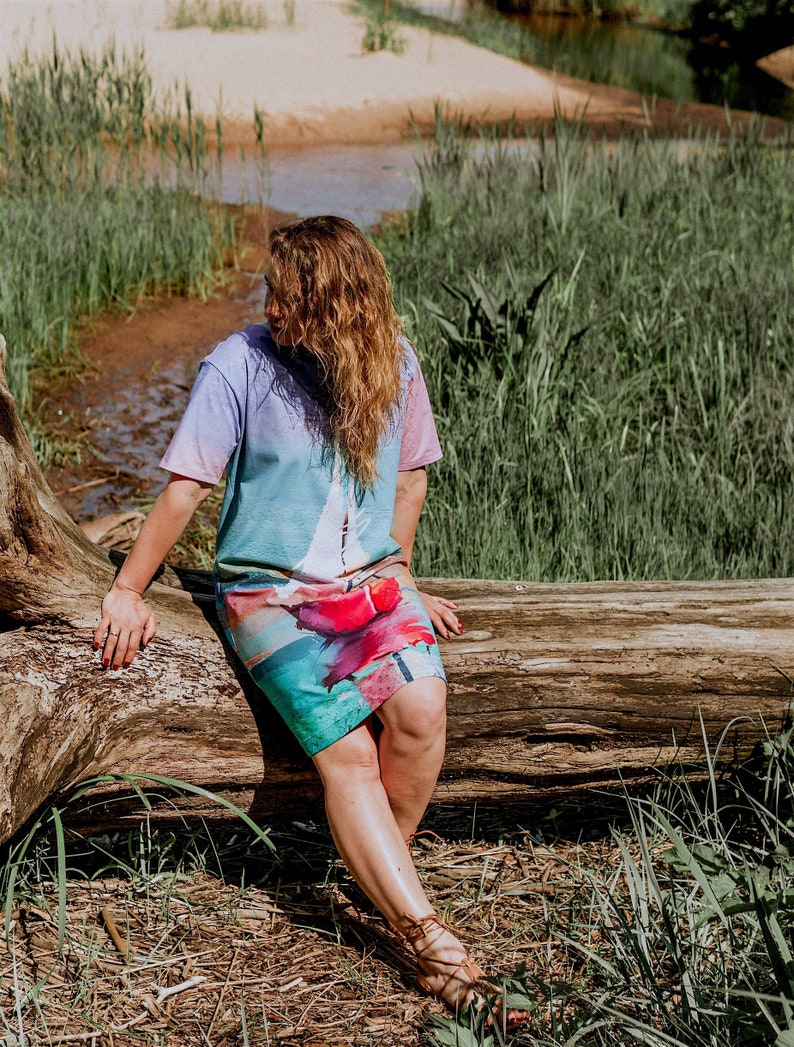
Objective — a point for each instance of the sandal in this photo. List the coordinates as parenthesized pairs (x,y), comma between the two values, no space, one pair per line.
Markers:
(410,841)
(457,983)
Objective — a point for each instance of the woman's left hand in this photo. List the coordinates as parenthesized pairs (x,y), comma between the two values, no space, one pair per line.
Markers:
(443,614)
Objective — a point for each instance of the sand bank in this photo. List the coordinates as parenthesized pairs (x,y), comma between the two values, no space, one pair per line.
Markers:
(311,80)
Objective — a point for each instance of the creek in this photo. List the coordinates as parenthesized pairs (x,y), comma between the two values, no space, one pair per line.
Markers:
(132,420)
(359,182)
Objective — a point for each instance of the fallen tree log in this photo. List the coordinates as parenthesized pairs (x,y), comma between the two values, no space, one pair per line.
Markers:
(552,687)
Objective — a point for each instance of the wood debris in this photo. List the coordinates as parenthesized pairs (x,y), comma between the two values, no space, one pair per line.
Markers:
(299,959)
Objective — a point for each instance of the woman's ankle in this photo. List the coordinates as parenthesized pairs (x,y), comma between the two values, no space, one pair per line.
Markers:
(417,928)
(433,943)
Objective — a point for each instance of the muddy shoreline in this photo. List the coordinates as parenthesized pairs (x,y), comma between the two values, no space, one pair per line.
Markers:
(123,408)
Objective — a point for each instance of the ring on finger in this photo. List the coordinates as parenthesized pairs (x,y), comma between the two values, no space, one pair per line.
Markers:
(112,634)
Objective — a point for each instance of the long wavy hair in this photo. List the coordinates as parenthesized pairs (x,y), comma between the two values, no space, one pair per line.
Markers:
(334,291)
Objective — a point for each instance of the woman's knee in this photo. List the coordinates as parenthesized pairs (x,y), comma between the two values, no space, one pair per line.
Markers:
(354,756)
(417,712)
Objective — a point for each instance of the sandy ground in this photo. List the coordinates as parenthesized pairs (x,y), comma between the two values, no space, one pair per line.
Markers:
(311,80)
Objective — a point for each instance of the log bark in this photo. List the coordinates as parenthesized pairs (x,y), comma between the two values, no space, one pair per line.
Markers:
(552,687)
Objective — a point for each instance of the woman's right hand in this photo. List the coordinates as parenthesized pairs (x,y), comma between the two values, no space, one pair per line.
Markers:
(126,625)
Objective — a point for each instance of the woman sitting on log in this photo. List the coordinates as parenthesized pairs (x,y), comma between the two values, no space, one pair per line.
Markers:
(321,421)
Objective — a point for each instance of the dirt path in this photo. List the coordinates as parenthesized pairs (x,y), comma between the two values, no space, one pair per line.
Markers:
(141,368)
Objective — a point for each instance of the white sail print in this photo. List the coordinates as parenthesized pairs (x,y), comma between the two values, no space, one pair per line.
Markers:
(354,554)
(323,559)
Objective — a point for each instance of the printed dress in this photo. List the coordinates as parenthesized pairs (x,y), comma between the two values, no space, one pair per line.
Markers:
(307,575)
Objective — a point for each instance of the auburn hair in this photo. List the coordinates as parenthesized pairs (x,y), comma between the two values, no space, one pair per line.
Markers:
(334,291)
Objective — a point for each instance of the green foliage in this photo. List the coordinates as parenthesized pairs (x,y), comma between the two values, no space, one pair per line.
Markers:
(685,937)
(680,62)
(605,333)
(653,63)
(484,1025)
(42,853)
(704,940)
(218,15)
(380,34)
(672,14)
(754,27)
(146,868)
(100,200)
(771,19)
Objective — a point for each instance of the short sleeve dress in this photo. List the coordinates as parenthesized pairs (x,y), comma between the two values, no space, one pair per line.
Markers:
(307,575)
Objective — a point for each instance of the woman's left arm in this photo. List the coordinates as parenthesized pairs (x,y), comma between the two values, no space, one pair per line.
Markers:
(408,502)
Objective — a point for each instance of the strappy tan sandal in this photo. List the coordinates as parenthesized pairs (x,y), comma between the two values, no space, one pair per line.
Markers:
(465,982)
(410,841)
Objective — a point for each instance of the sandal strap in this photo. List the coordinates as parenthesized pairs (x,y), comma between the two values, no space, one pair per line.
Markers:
(414,930)
(422,934)
(463,980)
(467,986)
(469,990)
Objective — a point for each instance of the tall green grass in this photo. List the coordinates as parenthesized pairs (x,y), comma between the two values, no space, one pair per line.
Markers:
(629,56)
(225,15)
(684,937)
(691,941)
(220,16)
(645,46)
(667,11)
(606,333)
(43,864)
(101,201)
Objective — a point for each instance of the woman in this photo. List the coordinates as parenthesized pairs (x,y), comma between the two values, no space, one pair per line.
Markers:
(321,422)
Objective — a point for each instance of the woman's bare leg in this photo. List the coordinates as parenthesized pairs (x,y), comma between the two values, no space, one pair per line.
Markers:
(411,748)
(364,828)
(371,843)
(372,846)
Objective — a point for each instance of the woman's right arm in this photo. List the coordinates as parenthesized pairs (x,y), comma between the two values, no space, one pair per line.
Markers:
(127,622)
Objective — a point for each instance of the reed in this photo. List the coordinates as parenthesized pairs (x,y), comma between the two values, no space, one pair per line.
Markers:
(681,937)
(692,936)
(649,46)
(46,870)
(605,332)
(672,14)
(672,929)
(101,202)
(219,15)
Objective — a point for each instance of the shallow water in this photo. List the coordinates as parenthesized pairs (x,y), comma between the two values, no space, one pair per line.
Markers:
(363,183)
(654,63)
(359,182)
(131,419)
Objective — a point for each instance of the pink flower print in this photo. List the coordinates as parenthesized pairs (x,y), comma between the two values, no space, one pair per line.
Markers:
(363,626)
(350,611)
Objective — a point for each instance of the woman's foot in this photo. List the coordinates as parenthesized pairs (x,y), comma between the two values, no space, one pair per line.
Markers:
(447,972)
